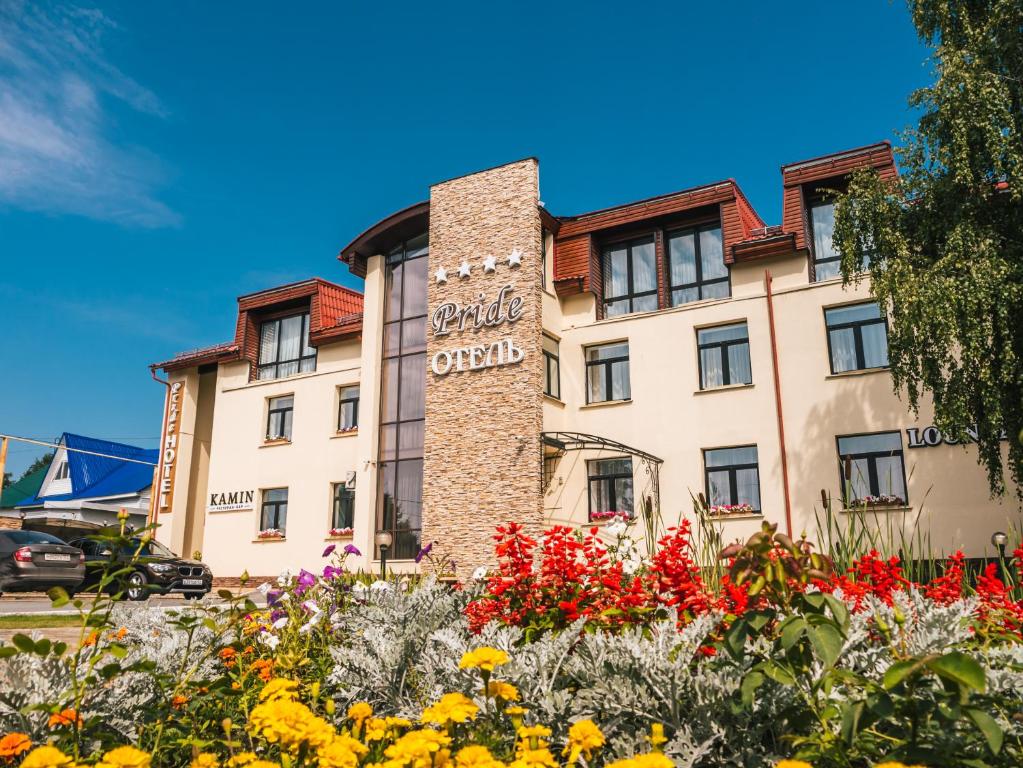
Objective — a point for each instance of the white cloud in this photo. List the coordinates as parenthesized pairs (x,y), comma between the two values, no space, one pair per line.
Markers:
(55,156)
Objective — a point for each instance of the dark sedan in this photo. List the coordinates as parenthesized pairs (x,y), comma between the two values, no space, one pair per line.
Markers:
(32,561)
(156,571)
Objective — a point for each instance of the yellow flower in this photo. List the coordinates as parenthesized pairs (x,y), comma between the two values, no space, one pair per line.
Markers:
(896,765)
(792,764)
(452,708)
(45,757)
(423,748)
(342,752)
(484,658)
(359,711)
(534,758)
(648,760)
(533,732)
(498,689)
(205,760)
(583,738)
(262,764)
(279,688)
(290,724)
(474,756)
(242,759)
(125,757)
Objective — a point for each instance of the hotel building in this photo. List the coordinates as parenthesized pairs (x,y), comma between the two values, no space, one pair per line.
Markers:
(505,363)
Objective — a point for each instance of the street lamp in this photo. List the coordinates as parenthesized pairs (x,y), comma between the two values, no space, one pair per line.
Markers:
(1000,539)
(383,540)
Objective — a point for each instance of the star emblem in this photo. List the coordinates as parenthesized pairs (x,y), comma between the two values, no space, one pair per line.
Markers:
(489,264)
(464,269)
(441,275)
(515,258)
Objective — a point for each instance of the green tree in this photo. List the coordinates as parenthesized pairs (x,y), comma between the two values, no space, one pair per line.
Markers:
(41,462)
(945,241)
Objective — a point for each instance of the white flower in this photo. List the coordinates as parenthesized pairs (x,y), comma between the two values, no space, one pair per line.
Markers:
(284,579)
(281,623)
(359,587)
(630,565)
(480,573)
(311,606)
(379,586)
(263,588)
(269,640)
(308,626)
(284,596)
(616,529)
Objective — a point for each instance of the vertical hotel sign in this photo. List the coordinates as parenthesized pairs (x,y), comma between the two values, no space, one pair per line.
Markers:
(169,458)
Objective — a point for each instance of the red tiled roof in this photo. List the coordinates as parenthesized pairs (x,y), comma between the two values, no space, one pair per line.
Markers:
(224,351)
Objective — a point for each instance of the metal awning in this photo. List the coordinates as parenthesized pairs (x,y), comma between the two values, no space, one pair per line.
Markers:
(580,441)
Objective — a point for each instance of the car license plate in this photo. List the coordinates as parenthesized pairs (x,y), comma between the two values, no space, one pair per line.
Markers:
(192,582)
(57,557)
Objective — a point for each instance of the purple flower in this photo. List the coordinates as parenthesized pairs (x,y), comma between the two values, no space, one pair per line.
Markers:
(305,578)
(330,572)
(424,552)
(351,549)
(273,596)
(276,614)
(329,550)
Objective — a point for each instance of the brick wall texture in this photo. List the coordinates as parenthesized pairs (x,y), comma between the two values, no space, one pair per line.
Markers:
(482,457)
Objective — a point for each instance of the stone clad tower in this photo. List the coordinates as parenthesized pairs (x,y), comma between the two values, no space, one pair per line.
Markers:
(484,377)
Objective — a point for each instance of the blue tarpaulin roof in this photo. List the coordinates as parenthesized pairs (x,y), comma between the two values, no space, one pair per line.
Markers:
(101,476)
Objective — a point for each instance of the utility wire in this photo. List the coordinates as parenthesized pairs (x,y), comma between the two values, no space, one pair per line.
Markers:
(78,450)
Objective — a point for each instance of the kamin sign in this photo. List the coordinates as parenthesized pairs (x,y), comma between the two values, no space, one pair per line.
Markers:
(231,501)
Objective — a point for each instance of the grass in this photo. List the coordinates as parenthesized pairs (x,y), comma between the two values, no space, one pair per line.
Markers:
(39,621)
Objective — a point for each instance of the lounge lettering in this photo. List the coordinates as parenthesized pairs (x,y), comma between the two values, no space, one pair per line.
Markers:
(929,437)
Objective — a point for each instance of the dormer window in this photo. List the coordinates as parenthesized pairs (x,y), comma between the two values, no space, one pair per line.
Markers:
(62,472)
(284,347)
(696,265)
(630,277)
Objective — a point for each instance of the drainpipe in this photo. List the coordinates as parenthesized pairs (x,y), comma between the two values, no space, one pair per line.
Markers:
(777,402)
(154,494)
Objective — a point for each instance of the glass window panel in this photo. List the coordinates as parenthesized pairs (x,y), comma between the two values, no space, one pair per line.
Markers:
(282,402)
(682,255)
(291,337)
(616,277)
(843,350)
(747,487)
(349,393)
(616,308)
(413,335)
(268,342)
(406,545)
(417,246)
(711,372)
(409,494)
(344,503)
(721,290)
(389,390)
(267,371)
(623,495)
(554,365)
(388,447)
(413,381)
(722,333)
(306,349)
(684,296)
(712,259)
(276,494)
(392,334)
(307,365)
(607,351)
(596,383)
(410,440)
(385,495)
(620,386)
(644,268)
(738,364)
(859,478)
(550,345)
(724,457)
(645,303)
(854,313)
(610,467)
(875,345)
(826,270)
(600,496)
(878,443)
(823,218)
(287,369)
(889,476)
(719,488)
(415,288)
(392,292)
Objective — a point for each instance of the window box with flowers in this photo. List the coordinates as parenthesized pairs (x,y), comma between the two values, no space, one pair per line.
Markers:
(340,533)
(270,534)
(731,510)
(609,516)
(881,500)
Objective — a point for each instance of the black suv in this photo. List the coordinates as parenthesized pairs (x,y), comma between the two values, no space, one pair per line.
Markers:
(157,570)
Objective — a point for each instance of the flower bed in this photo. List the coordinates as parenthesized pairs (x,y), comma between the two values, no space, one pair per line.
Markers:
(270,533)
(575,650)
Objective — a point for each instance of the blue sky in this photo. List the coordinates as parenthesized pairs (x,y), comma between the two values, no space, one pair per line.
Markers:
(159,159)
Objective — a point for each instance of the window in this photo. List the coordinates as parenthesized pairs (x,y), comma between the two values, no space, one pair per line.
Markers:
(551,367)
(733,479)
(826,261)
(403,398)
(343,514)
(543,258)
(696,265)
(607,373)
(284,347)
(610,487)
(724,356)
(630,278)
(348,409)
(62,472)
(872,468)
(857,337)
(274,511)
(278,419)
